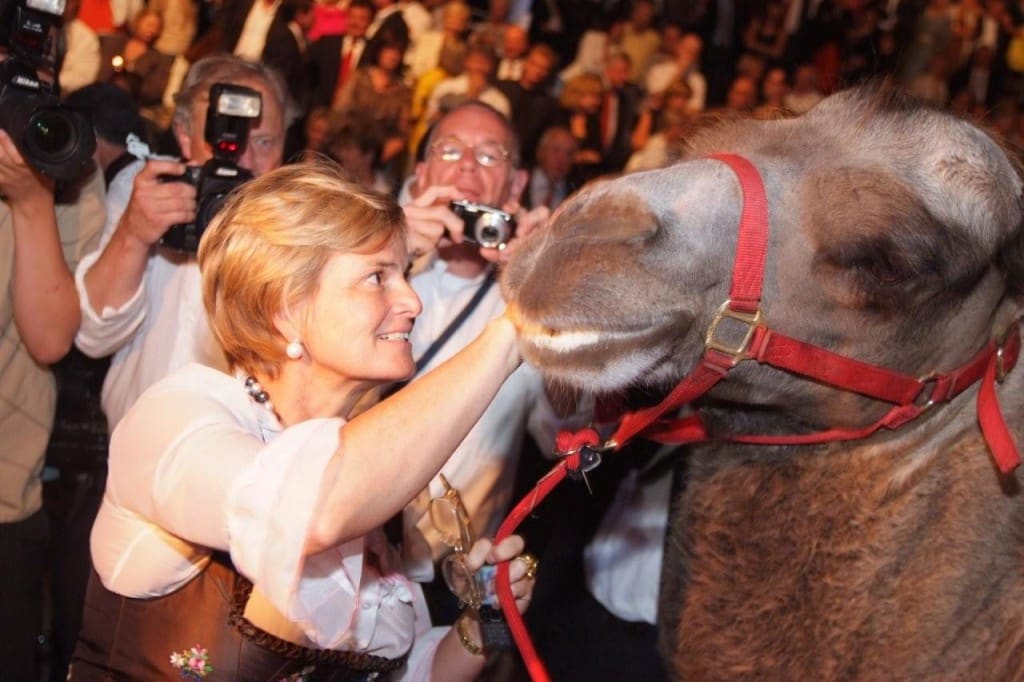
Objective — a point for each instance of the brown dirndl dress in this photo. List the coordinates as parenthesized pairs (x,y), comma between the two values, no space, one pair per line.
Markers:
(136,639)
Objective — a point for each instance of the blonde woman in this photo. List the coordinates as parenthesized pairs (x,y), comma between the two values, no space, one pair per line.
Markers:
(240,531)
(580,110)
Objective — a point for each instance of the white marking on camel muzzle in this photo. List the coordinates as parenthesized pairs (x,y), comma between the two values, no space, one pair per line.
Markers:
(564,342)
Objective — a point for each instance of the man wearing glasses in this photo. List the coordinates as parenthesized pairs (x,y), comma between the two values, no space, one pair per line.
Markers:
(471,154)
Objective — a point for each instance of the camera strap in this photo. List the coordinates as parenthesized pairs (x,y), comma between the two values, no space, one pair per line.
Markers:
(454,325)
(393,526)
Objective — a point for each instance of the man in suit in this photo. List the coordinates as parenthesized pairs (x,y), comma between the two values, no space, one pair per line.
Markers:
(334,59)
(241,28)
(551,180)
(532,105)
(619,112)
(285,50)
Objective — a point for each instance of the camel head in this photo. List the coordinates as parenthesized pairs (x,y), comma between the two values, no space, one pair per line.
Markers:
(895,239)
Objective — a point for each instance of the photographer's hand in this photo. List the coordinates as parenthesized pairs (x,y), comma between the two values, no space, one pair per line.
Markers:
(21,185)
(155,205)
(431,223)
(45,302)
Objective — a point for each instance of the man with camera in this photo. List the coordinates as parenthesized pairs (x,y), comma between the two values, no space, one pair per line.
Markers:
(42,236)
(140,294)
(39,239)
(464,217)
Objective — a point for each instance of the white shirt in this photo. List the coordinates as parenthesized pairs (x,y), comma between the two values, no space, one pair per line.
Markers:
(654,154)
(81,62)
(123,11)
(622,562)
(198,465)
(417,19)
(424,55)
(161,328)
(663,74)
(589,55)
(483,467)
(510,69)
(254,32)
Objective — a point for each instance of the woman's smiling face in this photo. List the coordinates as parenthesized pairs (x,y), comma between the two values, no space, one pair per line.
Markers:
(357,324)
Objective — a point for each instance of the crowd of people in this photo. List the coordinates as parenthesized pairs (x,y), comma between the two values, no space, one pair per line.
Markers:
(226,379)
(623,77)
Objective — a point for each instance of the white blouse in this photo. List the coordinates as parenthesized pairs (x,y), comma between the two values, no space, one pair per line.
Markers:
(197,465)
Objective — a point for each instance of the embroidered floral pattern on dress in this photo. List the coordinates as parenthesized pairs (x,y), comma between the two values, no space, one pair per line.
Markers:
(193,664)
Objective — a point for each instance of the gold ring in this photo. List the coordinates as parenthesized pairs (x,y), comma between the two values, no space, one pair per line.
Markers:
(531,562)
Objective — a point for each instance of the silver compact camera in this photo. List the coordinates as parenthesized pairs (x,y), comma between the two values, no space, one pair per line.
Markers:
(487,226)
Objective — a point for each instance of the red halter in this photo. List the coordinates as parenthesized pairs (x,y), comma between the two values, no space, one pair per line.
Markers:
(910,396)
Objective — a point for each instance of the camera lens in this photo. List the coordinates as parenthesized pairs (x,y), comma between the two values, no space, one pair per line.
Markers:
(491,230)
(50,134)
(56,140)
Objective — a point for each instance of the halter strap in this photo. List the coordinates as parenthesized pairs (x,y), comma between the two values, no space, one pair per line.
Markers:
(910,396)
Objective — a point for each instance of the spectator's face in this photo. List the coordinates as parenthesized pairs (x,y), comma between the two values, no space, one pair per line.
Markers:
(536,69)
(472,127)
(689,48)
(643,13)
(352,158)
(590,101)
(514,43)
(775,86)
(265,148)
(304,20)
(455,19)
(670,36)
(617,73)
(556,154)
(358,21)
(806,80)
(742,95)
(478,67)
(316,131)
(148,28)
(390,58)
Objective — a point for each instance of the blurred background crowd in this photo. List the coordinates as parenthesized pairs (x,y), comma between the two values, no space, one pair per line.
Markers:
(592,86)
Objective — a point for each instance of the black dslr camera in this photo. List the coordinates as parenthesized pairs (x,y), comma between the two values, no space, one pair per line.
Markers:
(232,110)
(58,141)
(487,226)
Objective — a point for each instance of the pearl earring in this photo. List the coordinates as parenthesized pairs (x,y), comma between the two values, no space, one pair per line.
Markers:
(294,349)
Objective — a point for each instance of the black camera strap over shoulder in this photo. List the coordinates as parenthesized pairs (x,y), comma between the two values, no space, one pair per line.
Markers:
(456,322)
(393,526)
(452,327)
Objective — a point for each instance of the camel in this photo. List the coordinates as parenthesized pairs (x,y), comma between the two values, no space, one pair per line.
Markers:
(829,529)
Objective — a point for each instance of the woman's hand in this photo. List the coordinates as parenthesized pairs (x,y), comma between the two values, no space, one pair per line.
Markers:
(520,571)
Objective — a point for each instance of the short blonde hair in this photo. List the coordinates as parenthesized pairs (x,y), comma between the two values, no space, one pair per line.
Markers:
(578,86)
(267,247)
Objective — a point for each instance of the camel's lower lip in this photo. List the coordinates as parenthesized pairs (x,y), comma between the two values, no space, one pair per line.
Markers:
(563,341)
(568,341)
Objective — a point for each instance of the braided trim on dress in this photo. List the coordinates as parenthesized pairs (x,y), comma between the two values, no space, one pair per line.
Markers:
(352,660)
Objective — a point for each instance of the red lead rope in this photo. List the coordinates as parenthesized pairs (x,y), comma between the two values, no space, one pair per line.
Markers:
(910,396)
(574,444)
